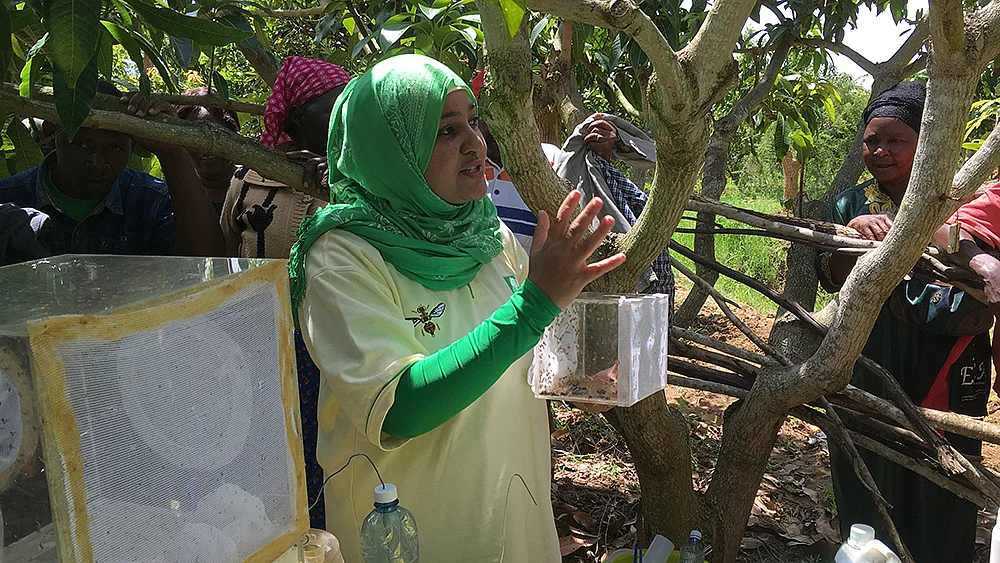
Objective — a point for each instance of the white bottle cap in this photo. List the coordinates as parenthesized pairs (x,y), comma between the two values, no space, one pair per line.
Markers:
(385,493)
(696,534)
(861,534)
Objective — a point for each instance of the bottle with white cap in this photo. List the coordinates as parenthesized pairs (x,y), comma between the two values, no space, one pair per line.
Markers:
(694,550)
(389,532)
(862,547)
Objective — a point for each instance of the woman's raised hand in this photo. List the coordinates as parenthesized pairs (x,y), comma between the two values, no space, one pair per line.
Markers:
(560,249)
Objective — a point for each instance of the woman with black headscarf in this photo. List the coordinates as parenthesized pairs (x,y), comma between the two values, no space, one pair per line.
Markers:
(933,338)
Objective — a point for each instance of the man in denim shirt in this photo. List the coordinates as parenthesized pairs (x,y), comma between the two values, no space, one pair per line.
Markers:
(98,206)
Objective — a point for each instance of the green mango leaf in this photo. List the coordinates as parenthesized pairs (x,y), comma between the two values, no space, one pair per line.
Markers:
(27,155)
(183,50)
(124,38)
(257,40)
(154,57)
(74,104)
(391,32)
(29,72)
(470,34)
(537,30)
(221,86)
(6,47)
(328,26)
(204,31)
(361,44)
(27,78)
(972,146)
(74,26)
(429,12)
(898,10)
(513,13)
(830,110)
(105,56)
(123,12)
(20,19)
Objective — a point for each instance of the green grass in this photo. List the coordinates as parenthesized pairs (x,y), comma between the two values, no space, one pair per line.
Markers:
(759,257)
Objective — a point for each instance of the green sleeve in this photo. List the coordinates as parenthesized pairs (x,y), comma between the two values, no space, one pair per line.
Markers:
(438,387)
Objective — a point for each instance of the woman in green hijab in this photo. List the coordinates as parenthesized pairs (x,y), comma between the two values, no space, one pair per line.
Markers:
(418,307)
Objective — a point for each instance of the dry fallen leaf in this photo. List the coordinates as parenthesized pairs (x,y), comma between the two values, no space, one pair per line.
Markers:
(585,520)
(813,495)
(750,543)
(569,544)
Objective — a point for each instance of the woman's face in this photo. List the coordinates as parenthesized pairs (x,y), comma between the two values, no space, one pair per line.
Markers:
(888,149)
(456,170)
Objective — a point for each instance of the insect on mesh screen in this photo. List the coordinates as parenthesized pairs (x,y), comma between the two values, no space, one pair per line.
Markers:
(175,427)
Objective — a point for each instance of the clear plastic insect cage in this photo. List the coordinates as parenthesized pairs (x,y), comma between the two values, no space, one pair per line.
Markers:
(609,349)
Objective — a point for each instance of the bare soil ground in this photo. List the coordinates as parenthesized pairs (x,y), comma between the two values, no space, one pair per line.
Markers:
(595,490)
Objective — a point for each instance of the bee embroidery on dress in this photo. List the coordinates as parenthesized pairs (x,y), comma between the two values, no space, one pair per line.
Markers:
(424,317)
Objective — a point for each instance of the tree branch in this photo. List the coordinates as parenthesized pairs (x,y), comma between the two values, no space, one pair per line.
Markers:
(291,14)
(506,102)
(986,20)
(977,169)
(804,234)
(734,351)
(612,87)
(753,98)
(839,48)
(205,137)
(921,468)
(902,57)
(947,421)
(211,101)
(625,15)
(908,412)
(711,48)
(721,301)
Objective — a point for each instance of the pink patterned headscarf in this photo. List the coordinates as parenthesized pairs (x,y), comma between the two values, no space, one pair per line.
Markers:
(298,81)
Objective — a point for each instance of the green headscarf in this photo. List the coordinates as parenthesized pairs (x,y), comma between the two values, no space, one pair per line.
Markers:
(382,133)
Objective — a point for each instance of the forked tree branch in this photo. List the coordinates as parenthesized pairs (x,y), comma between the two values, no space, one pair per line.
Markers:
(977,169)
(625,15)
(611,87)
(710,49)
(839,48)
(986,20)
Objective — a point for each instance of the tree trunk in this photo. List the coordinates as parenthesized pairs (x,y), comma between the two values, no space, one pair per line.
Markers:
(713,183)
(262,63)
(661,451)
(550,128)
(749,433)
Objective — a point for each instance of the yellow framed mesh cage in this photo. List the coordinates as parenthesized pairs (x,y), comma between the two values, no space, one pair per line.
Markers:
(170,426)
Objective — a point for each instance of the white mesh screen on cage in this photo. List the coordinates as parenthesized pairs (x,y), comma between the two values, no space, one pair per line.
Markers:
(181,440)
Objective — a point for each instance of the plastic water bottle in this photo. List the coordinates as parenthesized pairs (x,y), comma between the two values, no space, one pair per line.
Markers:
(995,542)
(389,532)
(862,547)
(694,550)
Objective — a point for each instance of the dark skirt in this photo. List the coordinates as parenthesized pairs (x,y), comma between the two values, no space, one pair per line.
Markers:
(939,371)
